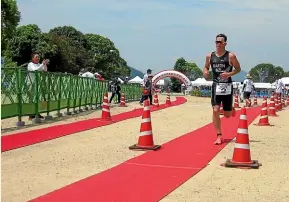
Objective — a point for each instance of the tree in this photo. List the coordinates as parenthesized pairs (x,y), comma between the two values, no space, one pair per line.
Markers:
(180,66)
(191,70)
(69,57)
(279,72)
(69,32)
(106,56)
(27,40)
(68,49)
(10,17)
(266,73)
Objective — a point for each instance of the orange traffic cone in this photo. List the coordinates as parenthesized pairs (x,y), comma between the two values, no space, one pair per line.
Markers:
(280,103)
(276,104)
(236,102)
(122,100)
(145,140)
(105,116)
(272,108)
(287,101)
(264,120)
(242,155)
(156,100)
(168,100)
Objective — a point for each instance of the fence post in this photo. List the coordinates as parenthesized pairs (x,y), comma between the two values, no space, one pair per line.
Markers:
(36,91)
(75,96)
(47,92)
(19,97)
(69,96)
(59,97)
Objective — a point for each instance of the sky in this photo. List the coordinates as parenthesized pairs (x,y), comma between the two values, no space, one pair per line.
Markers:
(154,33)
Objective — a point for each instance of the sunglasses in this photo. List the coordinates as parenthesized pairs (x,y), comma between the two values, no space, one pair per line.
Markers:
(219,42)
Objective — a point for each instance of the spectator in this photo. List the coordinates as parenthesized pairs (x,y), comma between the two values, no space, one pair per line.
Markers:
(248,88)
(240,92)
(279,85)
(115,89)
(34,65)
(145,77)
(147,90)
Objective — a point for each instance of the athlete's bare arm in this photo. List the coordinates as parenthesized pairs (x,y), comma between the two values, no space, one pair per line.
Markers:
(206,69)
(235,63)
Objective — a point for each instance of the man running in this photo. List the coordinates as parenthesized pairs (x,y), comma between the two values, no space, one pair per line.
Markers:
(222,63)
(248,87)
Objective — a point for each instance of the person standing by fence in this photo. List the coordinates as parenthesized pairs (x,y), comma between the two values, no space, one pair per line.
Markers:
(147,90)
(115,89)
(34,65)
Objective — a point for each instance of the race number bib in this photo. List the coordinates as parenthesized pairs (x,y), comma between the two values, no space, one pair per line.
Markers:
(223,89)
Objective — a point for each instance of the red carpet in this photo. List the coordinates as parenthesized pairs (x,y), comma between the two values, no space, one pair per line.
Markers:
(153,175)
(23,139)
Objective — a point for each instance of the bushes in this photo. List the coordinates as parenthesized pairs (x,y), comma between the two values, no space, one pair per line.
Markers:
(199,93)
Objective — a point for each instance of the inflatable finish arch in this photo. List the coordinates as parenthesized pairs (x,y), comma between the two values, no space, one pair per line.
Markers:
(173,74)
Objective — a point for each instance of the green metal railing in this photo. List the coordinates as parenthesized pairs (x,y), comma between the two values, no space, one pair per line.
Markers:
(30,93)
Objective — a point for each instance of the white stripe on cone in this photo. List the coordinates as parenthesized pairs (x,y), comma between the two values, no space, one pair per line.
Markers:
(242,131)
(242,146)
(243,117)
(144,133)
(146,108)
(106,110)
(146,120)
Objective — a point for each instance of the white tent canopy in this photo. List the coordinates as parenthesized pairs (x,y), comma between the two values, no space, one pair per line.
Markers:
(204,82)
(161,82)
(136,79)
(263,85)
(285,80)
(201,82)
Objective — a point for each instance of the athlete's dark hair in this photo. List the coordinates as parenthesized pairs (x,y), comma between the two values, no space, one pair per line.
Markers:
(222,35)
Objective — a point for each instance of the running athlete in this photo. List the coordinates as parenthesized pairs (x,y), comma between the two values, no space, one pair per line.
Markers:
(222,63)
(248,87)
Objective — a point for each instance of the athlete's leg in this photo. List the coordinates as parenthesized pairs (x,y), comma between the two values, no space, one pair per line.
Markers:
(216,102)
(246,98)
(228,105)
(217,119)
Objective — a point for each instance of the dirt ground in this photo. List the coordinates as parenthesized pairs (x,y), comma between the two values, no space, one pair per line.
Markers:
(269,183)
(37,169)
